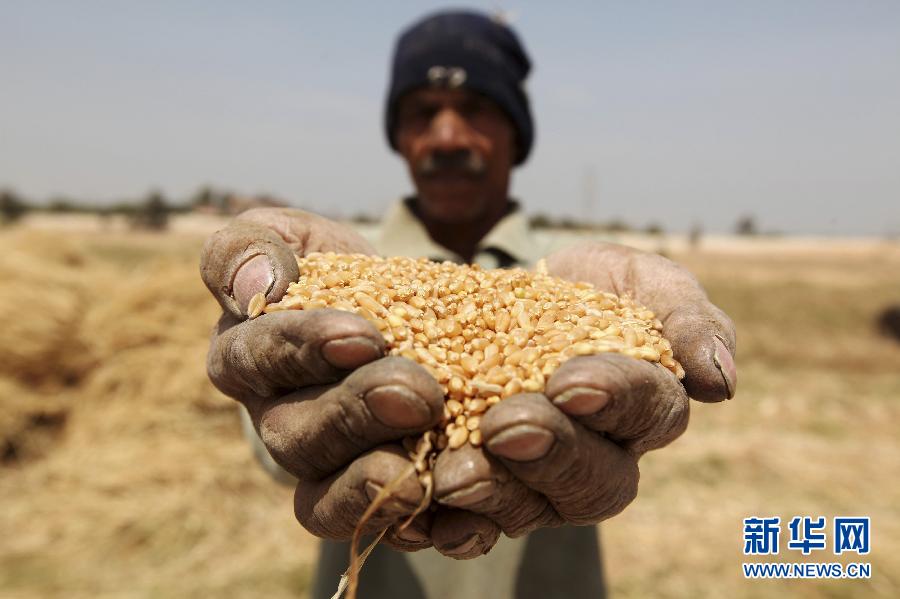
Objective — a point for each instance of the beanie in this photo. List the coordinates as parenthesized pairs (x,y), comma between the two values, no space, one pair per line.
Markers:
(469,50)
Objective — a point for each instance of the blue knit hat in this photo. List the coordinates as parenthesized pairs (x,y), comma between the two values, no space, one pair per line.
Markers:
(469,50)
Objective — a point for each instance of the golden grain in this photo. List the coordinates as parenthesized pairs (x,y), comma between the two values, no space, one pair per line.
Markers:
(256,305)
(484,335)
(458,437)
(477,406)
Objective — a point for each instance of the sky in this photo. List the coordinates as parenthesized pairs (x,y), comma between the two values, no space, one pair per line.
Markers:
(676,113)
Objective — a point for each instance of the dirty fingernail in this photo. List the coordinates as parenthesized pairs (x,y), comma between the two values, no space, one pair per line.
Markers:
(522,442)
(463,547)
(725,363)
(350,352)
(254,276)
(581,401)
(469,495)
(411,534)
(398,406)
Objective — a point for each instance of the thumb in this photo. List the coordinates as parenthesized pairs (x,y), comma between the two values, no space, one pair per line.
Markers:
(256,253)
(703,340)
(244,259)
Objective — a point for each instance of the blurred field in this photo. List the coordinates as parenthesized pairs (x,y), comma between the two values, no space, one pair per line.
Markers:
(124,474)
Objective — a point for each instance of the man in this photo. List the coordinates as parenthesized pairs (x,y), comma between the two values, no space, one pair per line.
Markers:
(331,409)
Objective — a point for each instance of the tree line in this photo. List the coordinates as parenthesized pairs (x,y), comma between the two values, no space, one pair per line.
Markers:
(153,212)
(150,212)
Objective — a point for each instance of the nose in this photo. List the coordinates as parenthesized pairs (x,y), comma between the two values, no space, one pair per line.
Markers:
(450,132)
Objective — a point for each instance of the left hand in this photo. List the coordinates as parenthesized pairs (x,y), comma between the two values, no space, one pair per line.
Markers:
(570,455)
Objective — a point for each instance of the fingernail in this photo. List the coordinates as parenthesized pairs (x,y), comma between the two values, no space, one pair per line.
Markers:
(522,442)
(398,406)
(581,401)
(725,363)
(463,547)
(254,276)
(350,352)
(470,495)
(411,534)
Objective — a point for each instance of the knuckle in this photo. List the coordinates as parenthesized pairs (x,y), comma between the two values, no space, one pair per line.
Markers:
(221,370)
(523,517)
(350,424)
(591,505)
(291,446)
(671,421)
(259,214)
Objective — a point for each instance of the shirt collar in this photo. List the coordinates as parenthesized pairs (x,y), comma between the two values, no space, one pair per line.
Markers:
(402,234)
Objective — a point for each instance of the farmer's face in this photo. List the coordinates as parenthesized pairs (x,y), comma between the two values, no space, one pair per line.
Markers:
(459,147)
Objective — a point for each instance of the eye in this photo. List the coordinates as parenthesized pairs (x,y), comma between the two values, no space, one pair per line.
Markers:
(425,112)
(472,107)
(416,115)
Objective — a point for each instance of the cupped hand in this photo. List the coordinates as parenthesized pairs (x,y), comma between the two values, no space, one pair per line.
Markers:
(326,402)
(702,336)
(570,454)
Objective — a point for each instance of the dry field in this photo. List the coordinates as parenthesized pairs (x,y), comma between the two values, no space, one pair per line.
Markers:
(124,474)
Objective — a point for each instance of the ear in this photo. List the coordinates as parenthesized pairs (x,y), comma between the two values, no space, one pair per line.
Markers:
(515,145)
(515,148)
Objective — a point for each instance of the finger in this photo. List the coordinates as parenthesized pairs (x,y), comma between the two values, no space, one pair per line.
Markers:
(256,253)
(285,350)
(416,536)
(702,336)
(462,534)
(470,479)
(332,508)
(318,430)
(638,404)
(703,340)
(585,477)
(244,259)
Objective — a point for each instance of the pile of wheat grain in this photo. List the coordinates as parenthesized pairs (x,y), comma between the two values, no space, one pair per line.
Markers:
(483,334)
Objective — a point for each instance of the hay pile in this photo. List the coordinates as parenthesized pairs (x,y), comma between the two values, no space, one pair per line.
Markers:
(123,469)
(43,353)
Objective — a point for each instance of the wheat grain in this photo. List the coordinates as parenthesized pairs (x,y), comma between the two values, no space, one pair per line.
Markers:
(485,335)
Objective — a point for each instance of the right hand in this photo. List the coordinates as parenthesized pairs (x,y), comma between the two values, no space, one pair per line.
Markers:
(326,402)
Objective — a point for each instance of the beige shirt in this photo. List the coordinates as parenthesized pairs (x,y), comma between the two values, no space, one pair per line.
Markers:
(402,234)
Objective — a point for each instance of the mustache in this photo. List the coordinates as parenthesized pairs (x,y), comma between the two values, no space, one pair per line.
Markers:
(463,162)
